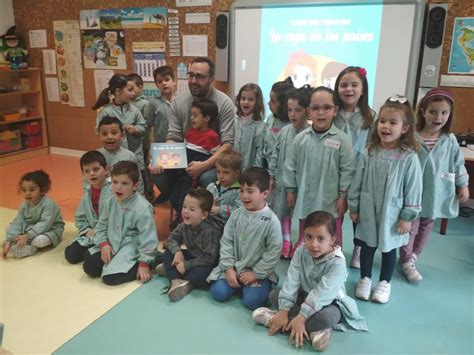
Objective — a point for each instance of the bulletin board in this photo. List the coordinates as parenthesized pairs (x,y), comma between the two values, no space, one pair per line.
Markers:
(73,127)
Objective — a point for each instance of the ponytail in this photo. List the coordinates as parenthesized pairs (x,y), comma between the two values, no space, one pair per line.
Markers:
(102,100)
(116,82)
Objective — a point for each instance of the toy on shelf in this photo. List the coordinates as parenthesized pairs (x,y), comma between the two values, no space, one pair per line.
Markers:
(14,50)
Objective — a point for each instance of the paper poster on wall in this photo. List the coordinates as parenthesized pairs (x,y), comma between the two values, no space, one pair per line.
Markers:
(155,17)
(89,19)
(110,19)
(38,39)
(174,38)
(147,56)
(198,17)
(101,80)
(461,59)
(182,3)
(104,49)
(62,60)
(150,90)
(52,89)
(49,61)
(182,86)
(195,46)
(132,17)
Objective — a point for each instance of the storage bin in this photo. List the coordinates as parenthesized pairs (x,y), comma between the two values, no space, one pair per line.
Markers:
(32,128)
(34,140)
(10,141)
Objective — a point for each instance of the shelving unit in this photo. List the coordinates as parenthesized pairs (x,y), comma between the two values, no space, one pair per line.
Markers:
(28,97)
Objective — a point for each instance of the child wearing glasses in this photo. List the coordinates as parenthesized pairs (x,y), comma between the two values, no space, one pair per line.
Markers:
(320,165)
(385,195)
(445,179)
(355,118)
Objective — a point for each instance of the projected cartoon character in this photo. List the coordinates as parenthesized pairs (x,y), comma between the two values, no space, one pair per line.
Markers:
(14,50)
(164,159)
(302,69)
(330,72)
(176,159)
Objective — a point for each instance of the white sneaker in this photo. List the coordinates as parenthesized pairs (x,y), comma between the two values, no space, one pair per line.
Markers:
(320,339)
(159,270)
(415,257)
(382,292)
(355,260)
(411,273)
(362,290)
(263,315)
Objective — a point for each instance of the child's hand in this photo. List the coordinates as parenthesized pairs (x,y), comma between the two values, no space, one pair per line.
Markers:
(215,209)
(90,233)
(143,274)
(247,277)
(341,206)
(298,330)
(291,199)
(180,267)
(231,277)
(178,258)
(463,194)
(130,129)
(196,168)
(156,169)
(6,249)
(106,254)
(404,227)
(21,240)
(354,217)
(272,184)
(278,322)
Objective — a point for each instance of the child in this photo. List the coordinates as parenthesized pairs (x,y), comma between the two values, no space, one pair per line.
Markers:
(313,299)
(385,195)
(250,245)
(140,101)
(355,118)
(249,127)
(320,164)
(39,222)
(95,171)
(226,190)
(115,101)
(125,238)
(200,233)
(445,179)
(297,104)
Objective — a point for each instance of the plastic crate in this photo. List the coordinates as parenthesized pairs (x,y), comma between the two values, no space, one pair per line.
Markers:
(10,141)
(34,140)
(32,128)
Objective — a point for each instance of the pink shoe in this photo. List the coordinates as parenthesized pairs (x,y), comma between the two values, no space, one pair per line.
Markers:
(297,245)
(286,249)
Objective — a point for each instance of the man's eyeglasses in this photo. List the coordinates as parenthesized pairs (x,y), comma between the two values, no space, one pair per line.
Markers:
(196,76)
(324,108)
(398,98)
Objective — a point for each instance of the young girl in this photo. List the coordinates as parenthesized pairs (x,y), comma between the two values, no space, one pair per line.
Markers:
(313,299)
(443,173)
(115,100)
(320,164)
(248,125)
(385,195)
(39,222)
(355,118)
(297,104)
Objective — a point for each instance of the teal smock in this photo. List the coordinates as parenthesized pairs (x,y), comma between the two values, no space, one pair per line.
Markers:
(129,227)
(273,126)
(386,189)
(322,280)
(443,171)
(156,115)
(251,240)
(140,103)
(228,199)
(44,217)
(248,141)
(320,168)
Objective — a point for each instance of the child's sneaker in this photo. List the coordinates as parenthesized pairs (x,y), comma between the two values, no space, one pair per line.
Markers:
(362,290)
(411,273)
(286,249)
(320,339)
(382,292)
(263,315)
(355,260)
(179,288)
(24,251)
(160,270)
(297,245)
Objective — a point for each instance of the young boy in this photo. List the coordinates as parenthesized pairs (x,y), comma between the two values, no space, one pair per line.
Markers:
(97,191)
(200,232)
(140,101)
(226,190)
(125,238)
(250,245)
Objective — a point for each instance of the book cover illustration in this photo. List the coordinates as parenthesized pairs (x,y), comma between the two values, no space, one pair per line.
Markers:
(169,155)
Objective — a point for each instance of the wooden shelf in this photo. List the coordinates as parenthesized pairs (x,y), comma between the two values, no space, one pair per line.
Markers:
(14,93)
(23,154)
(19,70)
(25,119)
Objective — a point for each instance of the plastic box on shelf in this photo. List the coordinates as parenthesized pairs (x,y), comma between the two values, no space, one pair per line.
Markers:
(10,141)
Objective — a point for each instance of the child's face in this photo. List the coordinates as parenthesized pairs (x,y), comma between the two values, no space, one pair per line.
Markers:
(111,136)
(95,174)
(192,213)
(273,103)
(31,192)
(198,121)
(436,115)
(252,198)
(318,241)
(390,127)
(137,90)
(126,94)
(322,110)
(166,84)
(247,102)
(123,187)
(296,113)
(350,90)
(226,176)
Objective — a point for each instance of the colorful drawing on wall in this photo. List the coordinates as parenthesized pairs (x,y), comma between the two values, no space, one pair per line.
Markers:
(89,19)
(110,19)
(461,60)
(155,17)
(104,49)
(147,56)
(132,17)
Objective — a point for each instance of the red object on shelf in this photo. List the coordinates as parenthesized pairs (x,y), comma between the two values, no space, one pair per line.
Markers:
(33,141)
(31,112)
(32,128)
(11,144)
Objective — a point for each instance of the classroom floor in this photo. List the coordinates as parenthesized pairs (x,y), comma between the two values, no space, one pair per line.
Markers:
(434,317)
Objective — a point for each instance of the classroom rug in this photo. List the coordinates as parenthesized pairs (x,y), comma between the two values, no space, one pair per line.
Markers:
(45,301)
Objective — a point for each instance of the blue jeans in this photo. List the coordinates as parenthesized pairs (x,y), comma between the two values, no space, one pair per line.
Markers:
(254,296)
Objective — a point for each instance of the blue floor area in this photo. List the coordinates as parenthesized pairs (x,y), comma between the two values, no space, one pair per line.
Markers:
(434,317)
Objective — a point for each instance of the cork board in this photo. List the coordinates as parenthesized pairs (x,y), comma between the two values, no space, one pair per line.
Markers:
(73,127)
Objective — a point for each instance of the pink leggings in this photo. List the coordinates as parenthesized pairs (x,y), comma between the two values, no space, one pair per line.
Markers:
(419,233)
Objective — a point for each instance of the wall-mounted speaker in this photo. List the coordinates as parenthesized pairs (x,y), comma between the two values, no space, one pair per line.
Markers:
(433,45)
(222,46)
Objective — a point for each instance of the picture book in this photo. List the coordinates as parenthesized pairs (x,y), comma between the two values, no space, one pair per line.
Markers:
(169,155)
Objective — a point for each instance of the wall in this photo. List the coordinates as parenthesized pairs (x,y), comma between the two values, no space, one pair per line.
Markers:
(6,15)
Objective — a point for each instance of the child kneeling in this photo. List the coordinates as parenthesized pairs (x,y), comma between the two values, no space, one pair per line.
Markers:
(313,299)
